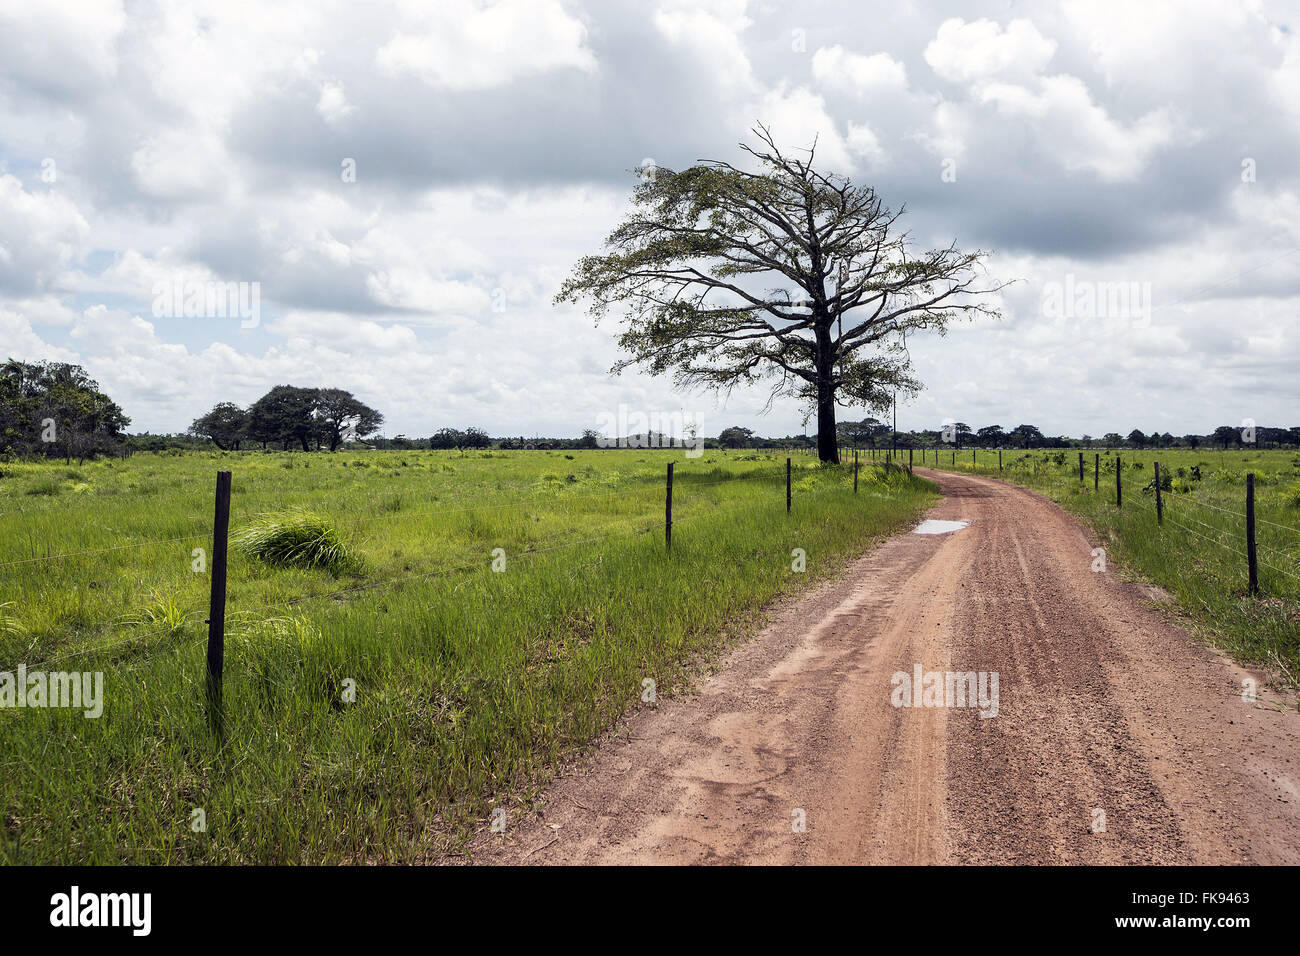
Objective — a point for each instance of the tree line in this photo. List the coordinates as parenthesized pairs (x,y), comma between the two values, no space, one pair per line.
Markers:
(873,433)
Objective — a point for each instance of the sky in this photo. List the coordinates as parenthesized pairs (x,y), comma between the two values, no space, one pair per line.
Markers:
(406,184)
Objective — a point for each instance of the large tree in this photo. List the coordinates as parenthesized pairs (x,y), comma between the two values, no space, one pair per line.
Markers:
(785,274)
(225,426)
(736,437)
(1027,436)
(991,436)
(285,414)
(339,414)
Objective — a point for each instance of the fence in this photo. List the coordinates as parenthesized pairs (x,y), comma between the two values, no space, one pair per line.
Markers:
(220,531)
(1248,545)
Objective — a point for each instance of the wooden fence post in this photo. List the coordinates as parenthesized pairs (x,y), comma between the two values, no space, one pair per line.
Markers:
(787,486)
(1160,508)
(1251,563)
(1096,470)
(1119,488)
(668,511)
(1080,467)
(855,471)
(999,460)
(217,598)
(909,461)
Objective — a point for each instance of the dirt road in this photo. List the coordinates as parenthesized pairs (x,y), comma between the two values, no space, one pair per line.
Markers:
(1103,707)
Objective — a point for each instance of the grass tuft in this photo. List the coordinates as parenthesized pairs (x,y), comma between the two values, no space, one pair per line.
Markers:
(297,539)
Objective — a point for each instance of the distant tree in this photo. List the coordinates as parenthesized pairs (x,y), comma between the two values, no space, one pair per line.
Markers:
(54,408)
(736,437)
(476,438)
(1136,439)
(860,432)
(446,438)
(1192,441)
(1226,434)
(590,438)
(990,436)
(339,414)
(1026,436)
(1113,439)
(225,426)
(285,414)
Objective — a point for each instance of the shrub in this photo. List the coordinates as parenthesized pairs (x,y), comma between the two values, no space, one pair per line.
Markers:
(298,539)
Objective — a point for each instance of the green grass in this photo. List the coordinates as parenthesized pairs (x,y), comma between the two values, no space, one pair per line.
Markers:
(298,539)
(1199,553)
(470,686)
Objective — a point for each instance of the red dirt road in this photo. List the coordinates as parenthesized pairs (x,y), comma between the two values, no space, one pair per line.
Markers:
(1105,705)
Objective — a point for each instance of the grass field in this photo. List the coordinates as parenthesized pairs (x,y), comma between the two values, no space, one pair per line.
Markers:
(1199,553)
(470,685)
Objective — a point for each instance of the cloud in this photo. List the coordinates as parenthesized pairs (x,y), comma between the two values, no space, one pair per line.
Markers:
(798,119)
(461,45)
(60,50)
(41,233)
(876,75)
(964,52)
(1078,132)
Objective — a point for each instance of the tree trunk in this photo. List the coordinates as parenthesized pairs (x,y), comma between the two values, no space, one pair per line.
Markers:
(828,447)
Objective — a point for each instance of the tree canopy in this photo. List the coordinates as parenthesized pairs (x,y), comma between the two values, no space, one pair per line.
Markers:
(56,409)
(789,275)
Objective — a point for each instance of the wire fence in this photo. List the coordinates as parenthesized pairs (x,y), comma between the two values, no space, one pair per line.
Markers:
(627,526)
(1241,538)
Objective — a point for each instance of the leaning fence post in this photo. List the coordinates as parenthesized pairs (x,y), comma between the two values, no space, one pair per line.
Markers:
(1251,562)
(668,510)
(217,600)
(1160,508)
(787,486)
(1119,489)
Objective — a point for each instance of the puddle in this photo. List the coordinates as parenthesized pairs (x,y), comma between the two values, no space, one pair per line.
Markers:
(931,526)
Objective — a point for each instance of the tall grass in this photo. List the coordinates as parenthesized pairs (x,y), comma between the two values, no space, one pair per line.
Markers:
(376,718)
(297,539)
